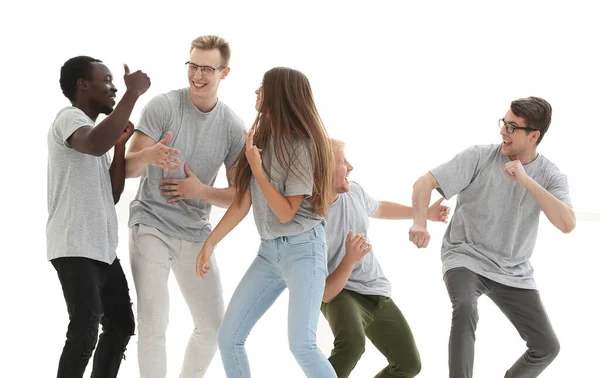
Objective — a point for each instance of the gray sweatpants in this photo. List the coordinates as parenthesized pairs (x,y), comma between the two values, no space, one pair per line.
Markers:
(153,255)
(522,307)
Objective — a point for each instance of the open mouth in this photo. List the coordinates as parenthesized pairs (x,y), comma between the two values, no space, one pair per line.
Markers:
(506,143)
(199,85)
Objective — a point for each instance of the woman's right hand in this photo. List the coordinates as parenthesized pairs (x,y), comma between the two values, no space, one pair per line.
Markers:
(202,266)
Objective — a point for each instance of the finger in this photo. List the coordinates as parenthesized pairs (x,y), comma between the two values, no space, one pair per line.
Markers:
(126,69)
(171,181)
(420,241)
(200,263)
(349,237)
(174,151)
(167,139)
(188,171)
(175,199)
(169,187)
(172,166)
(170,193)
(426,242)
(174,160)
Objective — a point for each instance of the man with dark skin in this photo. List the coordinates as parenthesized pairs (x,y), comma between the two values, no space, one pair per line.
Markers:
(81,232)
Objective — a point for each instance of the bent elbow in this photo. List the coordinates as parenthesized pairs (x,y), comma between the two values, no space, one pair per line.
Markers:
(287,218)
(568,227)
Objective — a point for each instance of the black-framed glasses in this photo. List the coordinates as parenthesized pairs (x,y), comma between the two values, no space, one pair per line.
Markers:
(205,70)
(511,126)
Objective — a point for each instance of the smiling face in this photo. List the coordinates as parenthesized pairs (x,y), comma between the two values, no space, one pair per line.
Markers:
(341,171)
(520,142)
(204,85)
(101,91)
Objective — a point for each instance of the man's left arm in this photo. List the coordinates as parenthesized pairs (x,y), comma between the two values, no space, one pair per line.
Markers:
(117,167)
(558,212)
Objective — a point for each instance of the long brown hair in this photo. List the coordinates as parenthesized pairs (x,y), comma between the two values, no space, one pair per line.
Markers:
(289,116)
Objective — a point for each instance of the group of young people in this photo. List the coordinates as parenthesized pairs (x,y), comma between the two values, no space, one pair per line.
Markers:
(313,224)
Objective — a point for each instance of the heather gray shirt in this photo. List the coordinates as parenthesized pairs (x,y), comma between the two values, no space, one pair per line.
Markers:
(287,183)
(82,221)
(351,211)
(494,227)
(206,141)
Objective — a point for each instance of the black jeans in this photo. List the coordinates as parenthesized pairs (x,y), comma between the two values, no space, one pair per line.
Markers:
(95,292)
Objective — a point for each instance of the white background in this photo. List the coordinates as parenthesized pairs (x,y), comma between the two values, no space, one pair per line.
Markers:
(406,86)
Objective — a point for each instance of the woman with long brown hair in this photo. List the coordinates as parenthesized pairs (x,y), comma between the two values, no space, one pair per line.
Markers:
(285,173)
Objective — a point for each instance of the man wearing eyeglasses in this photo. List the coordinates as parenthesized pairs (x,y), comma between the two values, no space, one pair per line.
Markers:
(486,248)
(183,139)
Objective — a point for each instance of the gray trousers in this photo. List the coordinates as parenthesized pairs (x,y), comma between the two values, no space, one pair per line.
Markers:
(522,307)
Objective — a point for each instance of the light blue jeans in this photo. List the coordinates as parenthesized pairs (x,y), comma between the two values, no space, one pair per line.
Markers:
(298,263)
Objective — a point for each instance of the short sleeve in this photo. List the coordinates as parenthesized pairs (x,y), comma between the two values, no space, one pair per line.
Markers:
(369,202)
(70,121)
(236,144)
(559,187)
(156,117)
(300,179)
(456,174)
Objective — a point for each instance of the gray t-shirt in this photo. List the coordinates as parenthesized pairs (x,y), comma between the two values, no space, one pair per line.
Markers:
(494,227)
(206,141)
(287,183)
(351,212)
(82,221)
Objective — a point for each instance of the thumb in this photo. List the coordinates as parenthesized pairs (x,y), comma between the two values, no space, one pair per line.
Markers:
(187,170)
(126,69)
(167,138)
(349,237)
(439,201)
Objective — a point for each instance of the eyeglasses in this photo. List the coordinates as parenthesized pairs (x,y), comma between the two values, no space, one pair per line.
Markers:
(511,126)
(205,70)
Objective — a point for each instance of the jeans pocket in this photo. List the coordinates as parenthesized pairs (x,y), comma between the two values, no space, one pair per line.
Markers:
(300,240)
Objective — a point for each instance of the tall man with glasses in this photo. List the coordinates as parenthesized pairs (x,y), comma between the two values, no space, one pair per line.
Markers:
(486,248)
(184,137)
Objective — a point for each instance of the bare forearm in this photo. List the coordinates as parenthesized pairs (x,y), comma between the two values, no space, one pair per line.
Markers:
(135,163)
(104,136)
(117,172)
(420,201)
(558,213)
(221,197)
(276,201)
(233,216)
(392,211)
(337,280)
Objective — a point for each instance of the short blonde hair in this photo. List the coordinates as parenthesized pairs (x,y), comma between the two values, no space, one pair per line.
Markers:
(337,145)
(210,42)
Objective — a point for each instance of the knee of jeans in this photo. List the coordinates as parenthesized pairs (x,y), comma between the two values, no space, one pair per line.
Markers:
(225,339)
(86,330)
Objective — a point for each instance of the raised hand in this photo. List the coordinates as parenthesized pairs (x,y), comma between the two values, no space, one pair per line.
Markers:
(438,212)
(160,155)
(252,152)
(357,247)
(187,188)
(137,82)
(515,171)
(127,133)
